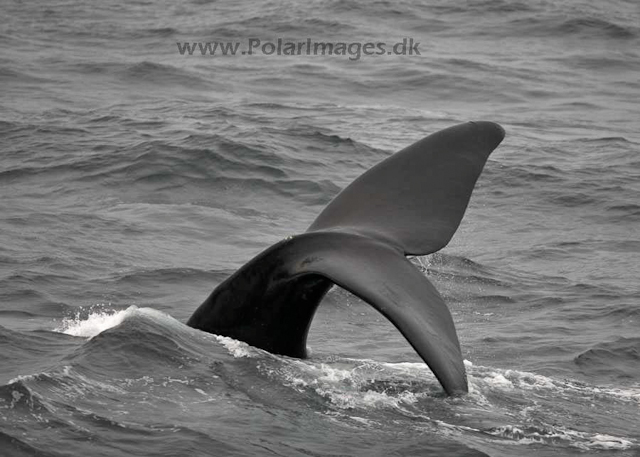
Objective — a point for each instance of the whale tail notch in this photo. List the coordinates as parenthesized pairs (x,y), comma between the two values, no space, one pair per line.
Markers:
(409,204)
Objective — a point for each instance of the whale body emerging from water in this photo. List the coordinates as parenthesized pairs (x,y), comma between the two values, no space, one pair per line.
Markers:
(409,204)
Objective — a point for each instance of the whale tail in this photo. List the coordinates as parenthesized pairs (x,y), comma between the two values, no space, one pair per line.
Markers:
(409,204)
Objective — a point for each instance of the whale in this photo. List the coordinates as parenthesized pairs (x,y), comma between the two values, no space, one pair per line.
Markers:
(410,204)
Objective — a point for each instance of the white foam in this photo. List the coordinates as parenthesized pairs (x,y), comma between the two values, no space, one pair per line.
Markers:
(238,349)
(15,398)
(609,442)
(101,318)
(498,380)
(357,383)
(360,384)
(365,400)
(483,378)
(573,438)
(96,322)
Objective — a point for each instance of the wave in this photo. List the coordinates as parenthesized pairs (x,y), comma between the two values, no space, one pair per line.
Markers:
(621,357)
(557,435)
(151,277)
(363,389)
(84,406)
(590,26)
(586,27)
(14,77)
(95,320)
(144,73)
(148,357)
(92,321)
(159,32)
(283,24)
(16,447)
(16,395)
(486,6)
(197,164)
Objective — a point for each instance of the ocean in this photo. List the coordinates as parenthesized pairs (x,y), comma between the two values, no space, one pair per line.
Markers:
(146,154)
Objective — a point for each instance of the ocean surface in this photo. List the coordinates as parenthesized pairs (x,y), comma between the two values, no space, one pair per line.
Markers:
(135,178)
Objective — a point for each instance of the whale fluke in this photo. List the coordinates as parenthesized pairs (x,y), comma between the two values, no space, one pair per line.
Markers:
(409,204)
(416,197)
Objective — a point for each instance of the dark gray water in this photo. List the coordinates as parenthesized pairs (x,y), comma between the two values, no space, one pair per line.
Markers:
(133,179)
